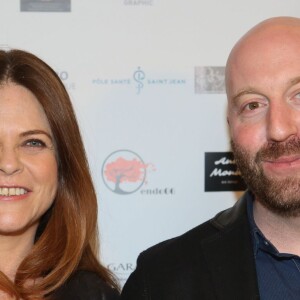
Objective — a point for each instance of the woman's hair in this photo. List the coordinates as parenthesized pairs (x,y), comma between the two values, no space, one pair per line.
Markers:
(67,236)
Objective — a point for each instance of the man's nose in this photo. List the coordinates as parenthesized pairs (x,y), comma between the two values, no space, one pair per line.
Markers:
(9,161)
(282,122)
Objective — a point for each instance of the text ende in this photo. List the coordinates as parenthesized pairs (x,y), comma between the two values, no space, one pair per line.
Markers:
(158,191)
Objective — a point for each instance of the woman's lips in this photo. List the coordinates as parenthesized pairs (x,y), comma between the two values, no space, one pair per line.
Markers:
(13,192)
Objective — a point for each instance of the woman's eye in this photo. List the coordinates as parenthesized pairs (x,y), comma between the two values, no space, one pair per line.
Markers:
(35,143)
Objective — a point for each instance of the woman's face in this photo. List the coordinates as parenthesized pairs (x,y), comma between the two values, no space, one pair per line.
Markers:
(28,166)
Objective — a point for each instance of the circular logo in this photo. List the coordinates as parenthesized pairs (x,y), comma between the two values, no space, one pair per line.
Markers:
(124,172)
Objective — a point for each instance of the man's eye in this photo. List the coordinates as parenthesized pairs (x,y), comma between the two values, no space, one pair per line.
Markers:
(297,96)
(253,105)
(35,143)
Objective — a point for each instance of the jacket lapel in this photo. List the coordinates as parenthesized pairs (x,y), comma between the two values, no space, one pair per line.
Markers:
(229,256)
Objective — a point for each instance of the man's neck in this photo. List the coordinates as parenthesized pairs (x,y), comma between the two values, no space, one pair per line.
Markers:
(282,232)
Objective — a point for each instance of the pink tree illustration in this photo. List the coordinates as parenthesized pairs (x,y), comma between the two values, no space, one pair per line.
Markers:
(122,170)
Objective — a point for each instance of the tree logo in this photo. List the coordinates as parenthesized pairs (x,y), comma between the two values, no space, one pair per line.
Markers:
(124,172)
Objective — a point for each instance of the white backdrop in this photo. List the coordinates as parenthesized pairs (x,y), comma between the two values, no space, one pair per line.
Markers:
(146,80)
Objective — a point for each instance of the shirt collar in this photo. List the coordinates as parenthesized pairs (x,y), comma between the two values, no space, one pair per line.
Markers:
(260,242)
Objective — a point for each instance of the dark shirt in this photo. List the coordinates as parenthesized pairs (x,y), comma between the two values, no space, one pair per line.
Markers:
(278,273)
(85,285)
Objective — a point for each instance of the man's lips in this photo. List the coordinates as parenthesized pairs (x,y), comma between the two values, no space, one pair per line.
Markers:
(282,163)
(288,159)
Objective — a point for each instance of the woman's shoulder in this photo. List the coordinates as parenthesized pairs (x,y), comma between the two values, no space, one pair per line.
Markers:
(86,285)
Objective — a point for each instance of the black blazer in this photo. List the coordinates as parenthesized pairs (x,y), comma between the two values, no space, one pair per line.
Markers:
(85,285)
(212,261)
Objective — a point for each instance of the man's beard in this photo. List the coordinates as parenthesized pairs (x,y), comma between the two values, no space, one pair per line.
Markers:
(279,195)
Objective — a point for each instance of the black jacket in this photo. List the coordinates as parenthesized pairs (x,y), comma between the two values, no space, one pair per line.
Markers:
(84,285)
(212,261)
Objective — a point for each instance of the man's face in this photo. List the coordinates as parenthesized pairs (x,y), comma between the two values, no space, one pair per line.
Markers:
(263,87)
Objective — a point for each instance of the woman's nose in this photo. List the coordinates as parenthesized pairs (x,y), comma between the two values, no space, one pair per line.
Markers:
(9,161)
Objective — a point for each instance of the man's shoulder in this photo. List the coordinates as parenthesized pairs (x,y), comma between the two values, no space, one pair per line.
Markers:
(181,267)
(193,236)
(178,249)
(188,245)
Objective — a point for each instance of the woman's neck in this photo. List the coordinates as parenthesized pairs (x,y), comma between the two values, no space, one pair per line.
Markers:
(13,249)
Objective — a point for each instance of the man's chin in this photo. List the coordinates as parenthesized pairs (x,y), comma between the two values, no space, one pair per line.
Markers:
(280,195)
(273,175)
(283,209)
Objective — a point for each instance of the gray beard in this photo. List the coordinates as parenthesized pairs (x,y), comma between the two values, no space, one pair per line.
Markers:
(281,196)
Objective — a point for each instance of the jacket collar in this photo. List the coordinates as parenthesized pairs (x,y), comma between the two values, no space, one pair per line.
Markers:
(236,214)
(229,254)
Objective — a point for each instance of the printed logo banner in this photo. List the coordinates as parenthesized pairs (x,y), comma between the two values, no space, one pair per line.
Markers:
(210,80)
(221,173)
(45,6)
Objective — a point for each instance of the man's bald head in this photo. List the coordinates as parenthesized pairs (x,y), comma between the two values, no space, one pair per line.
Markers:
(254,47)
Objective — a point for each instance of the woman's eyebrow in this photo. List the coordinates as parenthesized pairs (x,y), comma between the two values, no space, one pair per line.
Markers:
(36,131)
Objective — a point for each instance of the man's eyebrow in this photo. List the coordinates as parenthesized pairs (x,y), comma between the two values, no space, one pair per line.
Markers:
(250,90)
(36,131)
(294,81)
(244,92)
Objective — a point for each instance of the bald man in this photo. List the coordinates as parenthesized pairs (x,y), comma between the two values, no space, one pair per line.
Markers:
(252,250)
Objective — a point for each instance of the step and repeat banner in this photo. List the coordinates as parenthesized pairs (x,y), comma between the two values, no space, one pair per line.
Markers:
(146,78)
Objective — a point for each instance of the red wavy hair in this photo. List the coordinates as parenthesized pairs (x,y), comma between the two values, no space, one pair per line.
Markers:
(67,237)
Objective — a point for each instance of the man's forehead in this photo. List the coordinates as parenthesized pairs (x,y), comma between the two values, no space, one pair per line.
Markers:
(264,50)
(281,31)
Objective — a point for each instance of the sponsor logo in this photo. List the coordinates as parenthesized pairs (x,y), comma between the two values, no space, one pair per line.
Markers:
(221,173)
(138,2)
(158,191)
(45,5)
(64,77)
(210,80)
(125,172)
(4,47)
(140,80)
(121,270)
(139,77)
